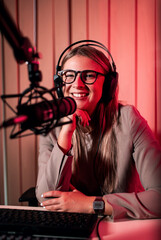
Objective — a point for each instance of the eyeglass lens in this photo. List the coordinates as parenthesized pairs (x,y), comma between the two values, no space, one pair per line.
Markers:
(86,76)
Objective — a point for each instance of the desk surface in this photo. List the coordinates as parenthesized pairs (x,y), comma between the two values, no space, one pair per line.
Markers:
(149,229)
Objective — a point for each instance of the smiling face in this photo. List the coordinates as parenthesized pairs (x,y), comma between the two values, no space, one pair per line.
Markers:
(86,96)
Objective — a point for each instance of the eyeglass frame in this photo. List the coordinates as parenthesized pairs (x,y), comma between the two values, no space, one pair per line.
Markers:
(60,73)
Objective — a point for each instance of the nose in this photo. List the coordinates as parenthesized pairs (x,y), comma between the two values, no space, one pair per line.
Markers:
(78,81)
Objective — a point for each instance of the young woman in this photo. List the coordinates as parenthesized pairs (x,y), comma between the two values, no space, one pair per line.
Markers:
(108,150)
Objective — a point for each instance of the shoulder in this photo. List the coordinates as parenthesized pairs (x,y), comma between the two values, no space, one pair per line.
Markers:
(129,111)
(130,115)
(130,120)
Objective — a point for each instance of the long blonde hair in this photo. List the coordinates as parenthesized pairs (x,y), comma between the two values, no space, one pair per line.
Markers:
(105,115)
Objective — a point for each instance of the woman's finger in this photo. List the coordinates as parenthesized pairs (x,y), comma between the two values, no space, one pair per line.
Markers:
(50,202)
(54,208)
(51,194)
(83,116)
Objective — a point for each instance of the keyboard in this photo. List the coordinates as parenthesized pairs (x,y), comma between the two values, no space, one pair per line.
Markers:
(41,223)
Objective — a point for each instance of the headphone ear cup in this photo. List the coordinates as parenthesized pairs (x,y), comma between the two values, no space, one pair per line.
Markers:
(114,83)
(109,87)
(58,84)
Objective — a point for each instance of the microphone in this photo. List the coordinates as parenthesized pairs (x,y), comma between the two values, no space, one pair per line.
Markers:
(41,113)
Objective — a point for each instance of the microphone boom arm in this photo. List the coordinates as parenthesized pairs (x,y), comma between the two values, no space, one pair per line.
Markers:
(22,47)
(25,52)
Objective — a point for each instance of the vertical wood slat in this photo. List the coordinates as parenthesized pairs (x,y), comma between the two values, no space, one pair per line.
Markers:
(12,146)
(158,70)
(28,158)
(131,30)
(45,38)
(123,46)
(1,131)
(146,60)
(136,47)
(61,27)
(78,20)
(98,16)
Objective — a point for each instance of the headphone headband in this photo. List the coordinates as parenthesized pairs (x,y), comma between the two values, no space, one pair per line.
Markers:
(93,43)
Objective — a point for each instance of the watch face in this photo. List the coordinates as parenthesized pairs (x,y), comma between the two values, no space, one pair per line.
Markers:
(98,205)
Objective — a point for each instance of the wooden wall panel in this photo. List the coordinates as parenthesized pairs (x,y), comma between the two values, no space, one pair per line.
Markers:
(12,146)
(1,131)
(158,70)
(78,20)
(28,148)
(146,60)
(98,20)
(130,30)
(122,41)
(61,26)
(46,41)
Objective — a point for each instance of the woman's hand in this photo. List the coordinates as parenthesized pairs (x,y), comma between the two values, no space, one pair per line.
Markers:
(73,201)
(79,114)
(65,136)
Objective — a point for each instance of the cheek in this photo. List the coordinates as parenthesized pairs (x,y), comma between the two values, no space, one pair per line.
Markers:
(98,90)
(66,90)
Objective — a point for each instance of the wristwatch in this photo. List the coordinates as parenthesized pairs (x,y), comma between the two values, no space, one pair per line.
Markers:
(99,206)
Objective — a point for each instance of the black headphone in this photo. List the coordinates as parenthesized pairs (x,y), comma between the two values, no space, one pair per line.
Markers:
(111,78)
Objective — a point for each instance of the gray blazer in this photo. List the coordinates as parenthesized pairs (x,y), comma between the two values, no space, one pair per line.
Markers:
(138,189)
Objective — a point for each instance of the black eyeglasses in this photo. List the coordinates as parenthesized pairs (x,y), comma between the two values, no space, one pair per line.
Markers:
(87,76)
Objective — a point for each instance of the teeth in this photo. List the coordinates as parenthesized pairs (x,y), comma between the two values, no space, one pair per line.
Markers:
(79,94)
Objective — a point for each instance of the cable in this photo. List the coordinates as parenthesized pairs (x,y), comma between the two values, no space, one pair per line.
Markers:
(97,227)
